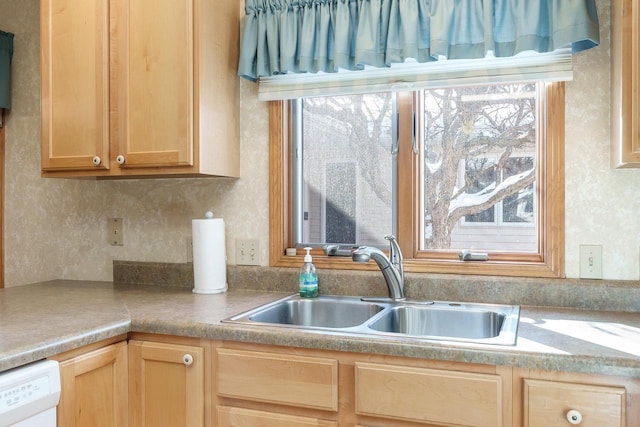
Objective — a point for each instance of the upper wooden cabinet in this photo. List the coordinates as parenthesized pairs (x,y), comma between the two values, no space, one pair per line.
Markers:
(140,87)
(75,84)
(625,83)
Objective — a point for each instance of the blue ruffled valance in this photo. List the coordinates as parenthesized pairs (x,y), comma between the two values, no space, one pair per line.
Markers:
(307,36)
(6,53)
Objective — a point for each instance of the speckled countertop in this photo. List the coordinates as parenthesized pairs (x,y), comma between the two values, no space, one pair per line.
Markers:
(44,319)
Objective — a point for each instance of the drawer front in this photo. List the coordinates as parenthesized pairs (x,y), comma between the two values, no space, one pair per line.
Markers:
(547,403)
(307,382)
(429,395)
(240,417)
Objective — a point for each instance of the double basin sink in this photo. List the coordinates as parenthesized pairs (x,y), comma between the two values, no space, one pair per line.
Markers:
(428,320)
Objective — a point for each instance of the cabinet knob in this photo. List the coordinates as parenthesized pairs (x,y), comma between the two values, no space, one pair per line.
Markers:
(187,359)
(96,160)
(574,417)
(120,159)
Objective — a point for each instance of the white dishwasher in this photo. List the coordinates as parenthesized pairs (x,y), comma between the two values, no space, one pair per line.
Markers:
(29,395)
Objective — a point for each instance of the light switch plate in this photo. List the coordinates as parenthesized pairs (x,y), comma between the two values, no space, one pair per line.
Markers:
(591,261)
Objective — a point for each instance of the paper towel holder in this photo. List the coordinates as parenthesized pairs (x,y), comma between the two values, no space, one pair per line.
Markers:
(209,255)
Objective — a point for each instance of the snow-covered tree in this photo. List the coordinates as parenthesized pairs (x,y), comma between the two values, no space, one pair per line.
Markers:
(464,127)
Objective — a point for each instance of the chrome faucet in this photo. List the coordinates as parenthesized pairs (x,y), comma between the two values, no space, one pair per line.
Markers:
(391,268)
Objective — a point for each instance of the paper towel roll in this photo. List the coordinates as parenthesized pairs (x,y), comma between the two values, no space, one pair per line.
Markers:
(209,255)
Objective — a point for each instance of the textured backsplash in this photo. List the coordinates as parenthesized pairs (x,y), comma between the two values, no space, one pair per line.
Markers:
(570,293)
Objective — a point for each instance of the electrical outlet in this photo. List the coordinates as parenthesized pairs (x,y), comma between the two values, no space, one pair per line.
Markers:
(116,234)
(247,252)
(591,261)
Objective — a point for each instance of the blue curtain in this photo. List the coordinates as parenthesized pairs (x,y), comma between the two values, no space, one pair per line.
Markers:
(300,36)
(6,53)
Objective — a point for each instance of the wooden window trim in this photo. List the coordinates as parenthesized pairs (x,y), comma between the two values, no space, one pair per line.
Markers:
(549,262)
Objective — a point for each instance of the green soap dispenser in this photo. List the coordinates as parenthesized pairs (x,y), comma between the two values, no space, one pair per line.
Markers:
(308,278)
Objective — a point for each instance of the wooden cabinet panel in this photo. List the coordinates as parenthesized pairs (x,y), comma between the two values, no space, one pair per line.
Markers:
(307,382)
(625,83)
(74,84)
(166,384)
(156,77)
(239,417)
(94,388)
(546,403)
(429,395)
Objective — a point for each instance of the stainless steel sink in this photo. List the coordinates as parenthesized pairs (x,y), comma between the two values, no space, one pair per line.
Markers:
(318,312)
(447,322)
(438,320)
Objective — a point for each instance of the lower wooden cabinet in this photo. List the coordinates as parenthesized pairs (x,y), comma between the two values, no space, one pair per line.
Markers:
(172,381)
(240,417)
(306,382)
(166,384)
(94,388)
(438,396)
(550,403)
(260,387)
(549,399)
(280,386)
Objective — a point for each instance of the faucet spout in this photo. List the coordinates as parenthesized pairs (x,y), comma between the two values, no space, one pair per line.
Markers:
(391,271)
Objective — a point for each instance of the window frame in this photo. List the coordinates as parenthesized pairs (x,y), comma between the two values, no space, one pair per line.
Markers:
(548,262)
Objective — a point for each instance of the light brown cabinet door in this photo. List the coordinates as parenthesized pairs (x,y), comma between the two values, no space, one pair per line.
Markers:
(239,417)
(94,388)
(166,385)
(429,395)
(552,403)
(625,84)
(306,382)
(155,88)
(75,84)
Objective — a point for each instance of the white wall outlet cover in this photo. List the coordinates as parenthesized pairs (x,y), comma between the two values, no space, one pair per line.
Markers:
(247,252)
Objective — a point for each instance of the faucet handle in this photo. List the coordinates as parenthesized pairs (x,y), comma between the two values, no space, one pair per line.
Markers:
(394,248)
(395,254)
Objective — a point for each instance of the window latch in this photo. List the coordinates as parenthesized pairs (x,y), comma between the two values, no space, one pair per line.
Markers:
(467,255)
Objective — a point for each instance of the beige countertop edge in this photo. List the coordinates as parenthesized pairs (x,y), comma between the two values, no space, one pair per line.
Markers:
(23,356)
(445,351)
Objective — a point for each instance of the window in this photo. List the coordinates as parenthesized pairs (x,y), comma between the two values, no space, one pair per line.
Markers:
(345,171)
(444,169)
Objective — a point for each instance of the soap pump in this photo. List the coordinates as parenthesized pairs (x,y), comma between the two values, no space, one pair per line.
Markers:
(308,277)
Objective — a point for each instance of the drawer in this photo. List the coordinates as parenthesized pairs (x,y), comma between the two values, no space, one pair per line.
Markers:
(546,403)
(307,382)
(240,417)
(429,395)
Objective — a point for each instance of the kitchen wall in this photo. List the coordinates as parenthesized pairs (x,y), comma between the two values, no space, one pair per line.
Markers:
(57,228)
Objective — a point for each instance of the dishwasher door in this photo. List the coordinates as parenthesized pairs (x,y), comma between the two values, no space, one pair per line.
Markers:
(29,395)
